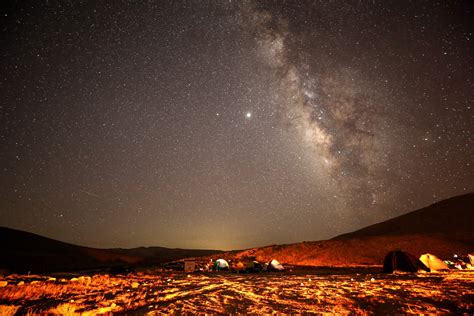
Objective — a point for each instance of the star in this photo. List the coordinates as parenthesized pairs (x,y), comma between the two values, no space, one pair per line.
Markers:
(267,114)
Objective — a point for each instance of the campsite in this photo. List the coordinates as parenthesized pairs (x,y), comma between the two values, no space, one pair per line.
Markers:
(423,269)
(404,285)
(236,157)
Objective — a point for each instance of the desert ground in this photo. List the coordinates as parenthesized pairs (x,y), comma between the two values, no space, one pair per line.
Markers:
(299,291)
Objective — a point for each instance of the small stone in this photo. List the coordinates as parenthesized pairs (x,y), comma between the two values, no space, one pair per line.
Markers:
(135,285)
(3,283)
(21,283)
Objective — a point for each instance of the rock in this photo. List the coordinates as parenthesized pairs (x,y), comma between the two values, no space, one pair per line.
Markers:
(3,283)
(21,283)
(135,285)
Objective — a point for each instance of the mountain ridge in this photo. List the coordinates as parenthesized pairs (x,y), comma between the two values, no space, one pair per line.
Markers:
(443,228)
(444,235)
(450,215)
(23,252)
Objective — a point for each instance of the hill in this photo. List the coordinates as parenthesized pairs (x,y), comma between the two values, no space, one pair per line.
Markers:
(367,251)
(444,228)
(452,215)
(157,255)
(23,252)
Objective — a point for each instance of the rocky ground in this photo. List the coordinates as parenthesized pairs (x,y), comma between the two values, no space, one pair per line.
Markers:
(311,291)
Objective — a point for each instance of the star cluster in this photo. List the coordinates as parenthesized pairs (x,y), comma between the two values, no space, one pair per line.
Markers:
(230,124)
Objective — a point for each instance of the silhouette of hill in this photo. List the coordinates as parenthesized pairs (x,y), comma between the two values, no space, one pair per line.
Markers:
(156,255)
(24,252)
(443,229)
(453,215)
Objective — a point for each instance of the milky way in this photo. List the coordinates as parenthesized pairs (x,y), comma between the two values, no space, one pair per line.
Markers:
(342,121)
(230,124)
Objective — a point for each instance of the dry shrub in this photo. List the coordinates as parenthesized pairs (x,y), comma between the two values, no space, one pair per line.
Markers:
(64,309)
(7,310)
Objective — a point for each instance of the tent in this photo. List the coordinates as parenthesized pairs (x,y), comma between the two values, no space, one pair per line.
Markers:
(221,264)
(402,261)
(238,266)
(433,262)
(253,266)
(274,265)
(470,264)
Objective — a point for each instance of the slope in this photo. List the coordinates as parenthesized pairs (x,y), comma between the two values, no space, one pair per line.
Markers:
(24,252)
(452,215)
(444,228)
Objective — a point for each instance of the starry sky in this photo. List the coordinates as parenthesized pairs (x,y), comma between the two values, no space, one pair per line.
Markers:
(230,124)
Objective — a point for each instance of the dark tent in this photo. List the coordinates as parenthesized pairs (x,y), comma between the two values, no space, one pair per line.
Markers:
(402,261)
(253,266)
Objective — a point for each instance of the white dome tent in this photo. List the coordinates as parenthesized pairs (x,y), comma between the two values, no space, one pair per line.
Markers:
(274,265)
(221,264)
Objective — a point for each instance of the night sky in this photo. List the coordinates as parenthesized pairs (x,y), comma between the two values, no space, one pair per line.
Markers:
(230,124)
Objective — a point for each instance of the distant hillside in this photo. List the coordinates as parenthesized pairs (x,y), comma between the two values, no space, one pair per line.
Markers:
(368,251)
(22,252)
(453,215)
(444,228)
(156,255)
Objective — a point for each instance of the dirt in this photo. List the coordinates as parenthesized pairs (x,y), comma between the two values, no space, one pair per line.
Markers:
(303,291)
